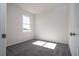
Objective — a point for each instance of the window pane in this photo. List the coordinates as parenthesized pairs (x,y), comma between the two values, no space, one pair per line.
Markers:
(26,19)
(26,26)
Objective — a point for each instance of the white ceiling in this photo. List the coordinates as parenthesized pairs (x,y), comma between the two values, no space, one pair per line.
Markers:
(38,7)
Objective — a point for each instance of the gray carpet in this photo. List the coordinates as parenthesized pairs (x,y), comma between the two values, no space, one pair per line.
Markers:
(28,49)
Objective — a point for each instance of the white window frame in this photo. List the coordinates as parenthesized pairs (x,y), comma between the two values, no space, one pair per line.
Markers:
(26,23)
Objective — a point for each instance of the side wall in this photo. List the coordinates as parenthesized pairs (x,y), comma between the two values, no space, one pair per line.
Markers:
(15,33)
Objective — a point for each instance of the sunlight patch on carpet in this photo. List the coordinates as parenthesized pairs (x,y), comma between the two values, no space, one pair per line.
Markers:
(39,43)
(50,45)
(45,44)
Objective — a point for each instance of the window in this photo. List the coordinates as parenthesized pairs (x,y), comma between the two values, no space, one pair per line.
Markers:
(26,23)
(45,44)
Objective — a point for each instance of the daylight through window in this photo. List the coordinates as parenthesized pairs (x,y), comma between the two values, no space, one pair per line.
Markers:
(26,23)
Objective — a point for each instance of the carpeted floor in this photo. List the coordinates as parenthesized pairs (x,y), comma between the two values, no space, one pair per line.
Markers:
(28,49)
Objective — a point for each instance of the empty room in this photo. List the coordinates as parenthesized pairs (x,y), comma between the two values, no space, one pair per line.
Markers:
(41,29)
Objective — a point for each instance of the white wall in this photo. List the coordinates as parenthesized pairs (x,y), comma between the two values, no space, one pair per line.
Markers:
(53,25)
(15,33)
